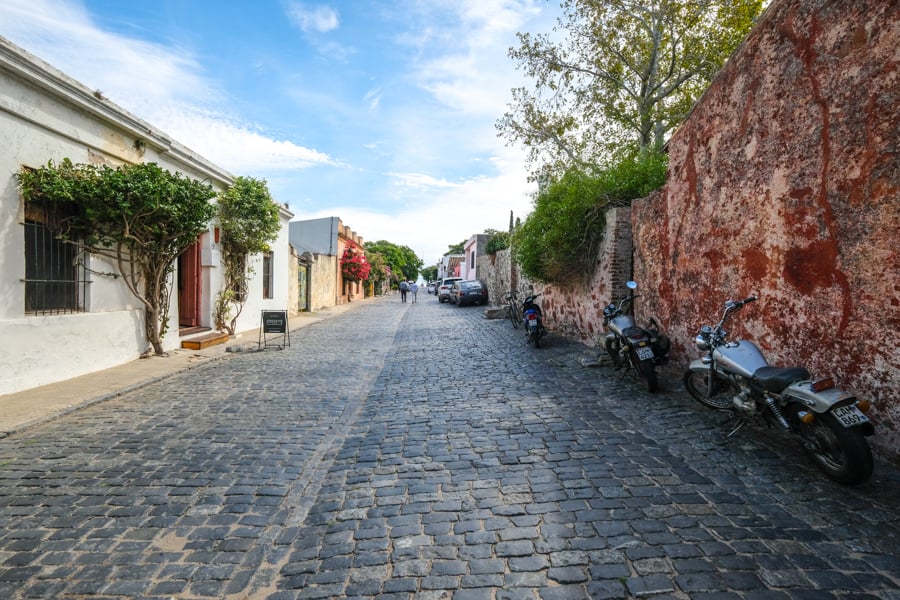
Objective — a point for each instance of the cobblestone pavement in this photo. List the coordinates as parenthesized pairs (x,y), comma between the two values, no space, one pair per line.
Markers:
(422,451)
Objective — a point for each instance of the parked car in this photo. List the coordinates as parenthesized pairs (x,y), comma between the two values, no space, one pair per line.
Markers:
(432,287)
(463,293)
(443,289)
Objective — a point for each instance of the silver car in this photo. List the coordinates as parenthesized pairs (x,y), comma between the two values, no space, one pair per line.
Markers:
(443,289)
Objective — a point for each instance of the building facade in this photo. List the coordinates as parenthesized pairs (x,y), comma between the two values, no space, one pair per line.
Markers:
(319,245)
(46,116)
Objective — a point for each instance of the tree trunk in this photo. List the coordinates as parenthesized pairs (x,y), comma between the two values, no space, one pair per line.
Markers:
(151,325)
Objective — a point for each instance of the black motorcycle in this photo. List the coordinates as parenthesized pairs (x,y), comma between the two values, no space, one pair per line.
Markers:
(633,348)
(534,321)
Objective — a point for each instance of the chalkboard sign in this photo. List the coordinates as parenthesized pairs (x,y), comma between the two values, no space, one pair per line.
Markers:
(274,321)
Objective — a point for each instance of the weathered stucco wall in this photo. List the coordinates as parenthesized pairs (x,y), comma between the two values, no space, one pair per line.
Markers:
(577,310)
(784,183)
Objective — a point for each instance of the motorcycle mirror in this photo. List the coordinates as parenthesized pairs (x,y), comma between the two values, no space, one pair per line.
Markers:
(631,285)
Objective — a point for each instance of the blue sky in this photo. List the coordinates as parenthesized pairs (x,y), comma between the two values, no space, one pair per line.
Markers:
(380,112)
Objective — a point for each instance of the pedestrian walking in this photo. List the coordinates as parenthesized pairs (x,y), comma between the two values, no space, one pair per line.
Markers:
(404,287)
(414,289)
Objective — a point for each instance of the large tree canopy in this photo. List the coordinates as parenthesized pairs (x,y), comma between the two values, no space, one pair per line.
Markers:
(401,259)
(618,73)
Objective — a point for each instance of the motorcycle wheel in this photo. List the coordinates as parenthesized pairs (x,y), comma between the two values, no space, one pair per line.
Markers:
(842,453)
(695,382)
(537,339)
(613,348)
(647,370)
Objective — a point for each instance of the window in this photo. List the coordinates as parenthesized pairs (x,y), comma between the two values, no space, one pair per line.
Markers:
(472,259)
(268,278)
(55,274)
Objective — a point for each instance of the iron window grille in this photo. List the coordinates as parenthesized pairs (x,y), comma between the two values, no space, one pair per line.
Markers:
(55,272)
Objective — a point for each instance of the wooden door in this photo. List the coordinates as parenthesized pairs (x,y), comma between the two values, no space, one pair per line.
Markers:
(189,287)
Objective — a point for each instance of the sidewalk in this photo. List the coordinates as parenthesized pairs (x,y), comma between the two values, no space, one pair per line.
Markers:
(34,406)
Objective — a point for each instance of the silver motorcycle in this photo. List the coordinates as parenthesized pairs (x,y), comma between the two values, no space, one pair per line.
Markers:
(635,349)
(830,423)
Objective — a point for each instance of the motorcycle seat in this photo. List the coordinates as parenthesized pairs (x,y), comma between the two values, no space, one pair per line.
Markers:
(775,379)
(635,334)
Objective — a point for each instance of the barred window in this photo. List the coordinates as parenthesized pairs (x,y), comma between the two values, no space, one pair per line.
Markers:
(268,277)
(55,274)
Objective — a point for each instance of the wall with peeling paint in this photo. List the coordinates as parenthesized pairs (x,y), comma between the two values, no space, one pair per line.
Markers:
(785,183)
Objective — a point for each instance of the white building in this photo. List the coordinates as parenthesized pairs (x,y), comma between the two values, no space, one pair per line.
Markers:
(44,116)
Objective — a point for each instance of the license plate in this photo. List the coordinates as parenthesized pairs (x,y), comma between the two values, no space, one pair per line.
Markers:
(849,415)
(645,353)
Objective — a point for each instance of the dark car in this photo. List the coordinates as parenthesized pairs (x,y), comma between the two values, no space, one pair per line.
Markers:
(463,293)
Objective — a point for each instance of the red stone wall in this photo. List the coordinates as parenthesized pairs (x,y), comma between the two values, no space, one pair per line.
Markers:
(577,310)
(785,183)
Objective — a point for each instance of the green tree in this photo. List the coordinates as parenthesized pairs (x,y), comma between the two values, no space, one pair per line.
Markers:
(379,271)
(429,273)
(559,241)
(249,220)
(618,73)
(456,248)
(141,217)
(499,241)
(401,259)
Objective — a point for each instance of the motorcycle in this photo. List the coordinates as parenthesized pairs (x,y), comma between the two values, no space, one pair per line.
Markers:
(830,423)
(631,347)
(534,321)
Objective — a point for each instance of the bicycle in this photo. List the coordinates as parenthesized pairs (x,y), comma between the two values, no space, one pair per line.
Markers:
(512,310)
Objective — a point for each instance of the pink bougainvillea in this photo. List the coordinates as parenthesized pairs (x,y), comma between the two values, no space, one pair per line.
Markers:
(354,266)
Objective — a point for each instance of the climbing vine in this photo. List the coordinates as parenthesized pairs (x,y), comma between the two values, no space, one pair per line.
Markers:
(140,217)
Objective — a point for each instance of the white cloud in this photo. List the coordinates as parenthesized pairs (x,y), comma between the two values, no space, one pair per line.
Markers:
(164,86)
(438,214)
(373,99)
(427,123)
(419,181)
(313,19)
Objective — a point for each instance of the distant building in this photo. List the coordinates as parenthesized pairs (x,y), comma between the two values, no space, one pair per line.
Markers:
(450,266)
(319,245)
(474,253)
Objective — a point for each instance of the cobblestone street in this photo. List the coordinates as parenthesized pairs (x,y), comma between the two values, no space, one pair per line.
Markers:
(422,451)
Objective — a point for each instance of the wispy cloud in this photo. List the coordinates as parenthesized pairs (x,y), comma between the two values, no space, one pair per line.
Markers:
(313,19)
(165,86)
(401,145)
(420,181)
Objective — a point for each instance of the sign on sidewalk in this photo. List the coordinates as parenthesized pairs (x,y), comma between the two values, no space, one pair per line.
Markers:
(274,322)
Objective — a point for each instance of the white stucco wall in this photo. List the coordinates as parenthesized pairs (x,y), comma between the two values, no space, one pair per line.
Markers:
(44,116)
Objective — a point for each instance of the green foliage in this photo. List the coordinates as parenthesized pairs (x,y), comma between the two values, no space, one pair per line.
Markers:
(141,217)
(499,241)
(560,239)
(459,248)
(429,273)
(618,73)
(379,267)
(248,217)
(402,261)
